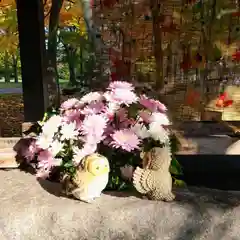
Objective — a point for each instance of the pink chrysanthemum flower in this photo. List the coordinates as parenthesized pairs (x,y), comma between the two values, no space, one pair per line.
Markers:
(121,96)
(91,97)
(145,116)
(70,104)
(27,148)
(152,104)
(110,110)
(122,114)
(93,126)
(121,85)
(107,134)
(45,163)
(94,108)
(73,115)
(122,118)
(125,139)
(31,150)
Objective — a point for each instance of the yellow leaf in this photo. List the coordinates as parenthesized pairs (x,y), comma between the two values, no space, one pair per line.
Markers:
(227,50)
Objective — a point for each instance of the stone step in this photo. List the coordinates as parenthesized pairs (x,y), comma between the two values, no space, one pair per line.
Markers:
(234,149)
(8,158)
(8,142)
(206,128)
(209,145)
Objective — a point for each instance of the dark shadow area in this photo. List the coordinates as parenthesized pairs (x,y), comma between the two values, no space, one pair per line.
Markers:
(195,195)
(52,187)
(125,194)
(207,128)
(211,171)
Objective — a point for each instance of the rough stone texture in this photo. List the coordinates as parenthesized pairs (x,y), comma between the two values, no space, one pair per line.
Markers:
(234,149)
(29,212)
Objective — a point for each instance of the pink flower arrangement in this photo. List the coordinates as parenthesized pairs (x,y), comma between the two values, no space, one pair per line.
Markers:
(152,104)
(117,118)
(125,139)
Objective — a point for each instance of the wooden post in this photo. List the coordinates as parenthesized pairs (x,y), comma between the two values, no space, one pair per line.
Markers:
(32,52)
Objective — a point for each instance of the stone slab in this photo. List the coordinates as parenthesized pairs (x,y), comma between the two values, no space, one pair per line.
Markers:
(8,142)
(216,144)
(8,158)
(234,149)
(207,128)
(33,210)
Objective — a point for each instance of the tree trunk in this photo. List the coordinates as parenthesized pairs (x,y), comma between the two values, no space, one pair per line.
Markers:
(169,62)
(157,45)
(72,74)
(15,69)
(71,65)
(52,75)
(7,67)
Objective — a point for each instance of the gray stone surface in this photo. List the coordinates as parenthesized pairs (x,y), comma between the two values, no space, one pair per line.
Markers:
(207,145)
(234,149)
(28,211)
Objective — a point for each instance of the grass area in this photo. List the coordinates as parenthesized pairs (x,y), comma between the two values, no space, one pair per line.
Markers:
(12,84)
(4,85)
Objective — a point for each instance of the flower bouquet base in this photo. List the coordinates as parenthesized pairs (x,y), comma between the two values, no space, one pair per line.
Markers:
(116,123)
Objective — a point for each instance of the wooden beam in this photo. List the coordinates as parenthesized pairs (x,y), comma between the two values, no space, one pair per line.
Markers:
(32,52)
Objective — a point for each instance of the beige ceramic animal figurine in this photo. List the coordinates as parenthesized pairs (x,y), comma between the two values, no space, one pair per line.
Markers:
(90,179)
(153,179)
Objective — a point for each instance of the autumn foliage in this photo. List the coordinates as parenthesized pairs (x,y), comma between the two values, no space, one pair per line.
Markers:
(70,15)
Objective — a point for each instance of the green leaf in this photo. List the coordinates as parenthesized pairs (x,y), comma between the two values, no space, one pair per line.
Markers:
(132,110)
(175,167)
(68,165)
(72,38)
(179,183)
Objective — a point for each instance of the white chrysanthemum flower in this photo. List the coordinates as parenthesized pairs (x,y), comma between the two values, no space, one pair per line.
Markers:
(57,161)
(44,141)
(113,107)
(50,127)
(69,131)
(140,130)
(158,133)
(56,147)
(160,118)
